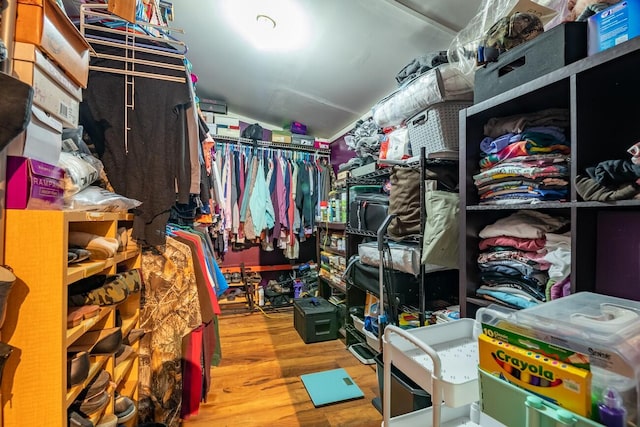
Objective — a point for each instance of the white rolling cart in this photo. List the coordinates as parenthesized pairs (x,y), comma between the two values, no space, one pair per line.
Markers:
(443,360)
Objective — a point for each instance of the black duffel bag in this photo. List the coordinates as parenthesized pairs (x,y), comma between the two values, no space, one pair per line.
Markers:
(368,211)
(366,277)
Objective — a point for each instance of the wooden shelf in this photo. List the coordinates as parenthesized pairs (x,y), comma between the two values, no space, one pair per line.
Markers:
(37,311)
(122,369)
(77,331)
(128,323)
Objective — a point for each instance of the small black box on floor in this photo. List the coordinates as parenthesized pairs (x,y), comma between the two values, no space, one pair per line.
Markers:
(315,319)
(551,50)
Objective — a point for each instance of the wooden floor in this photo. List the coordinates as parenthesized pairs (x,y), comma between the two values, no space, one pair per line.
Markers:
(258,381)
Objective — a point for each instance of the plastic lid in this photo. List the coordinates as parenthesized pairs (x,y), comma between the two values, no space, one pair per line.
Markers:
(611,398)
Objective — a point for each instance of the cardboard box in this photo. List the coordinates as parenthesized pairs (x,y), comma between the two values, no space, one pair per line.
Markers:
(560,383)
(48,95)
(43,23)
(32,184)
(281,136)
(225,131)
(226,121)
(612,26)
(43,137)
(30,53)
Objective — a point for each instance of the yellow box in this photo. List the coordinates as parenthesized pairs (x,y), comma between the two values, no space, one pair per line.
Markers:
(562,384)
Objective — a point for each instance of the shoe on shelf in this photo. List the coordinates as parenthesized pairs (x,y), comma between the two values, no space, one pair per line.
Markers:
(124,408)
(92,405)
(102,341)
(78,365)
(75,315)
(236,278)
(108,420)
(77,420)
(133,336)
(123,353)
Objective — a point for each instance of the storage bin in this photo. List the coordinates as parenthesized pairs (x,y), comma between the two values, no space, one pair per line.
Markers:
(43,23)
(281,136)
(436,128)
(551,50)
(315,322)
(406,395)
(507,404)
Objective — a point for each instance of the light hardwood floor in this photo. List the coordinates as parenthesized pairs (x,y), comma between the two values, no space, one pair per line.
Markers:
(258,380)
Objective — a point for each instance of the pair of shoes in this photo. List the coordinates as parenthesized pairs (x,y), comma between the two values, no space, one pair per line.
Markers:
(124,408)
(237,292)
(254,277)
(236,278)
(95,397)
(75,315)
(113,290)
(102,341)
(77,368)
(7,279)
(75,255)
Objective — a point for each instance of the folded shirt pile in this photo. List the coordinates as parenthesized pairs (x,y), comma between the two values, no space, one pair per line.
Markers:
(522,259)
(525,159)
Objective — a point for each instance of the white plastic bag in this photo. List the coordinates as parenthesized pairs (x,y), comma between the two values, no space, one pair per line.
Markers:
(95,198)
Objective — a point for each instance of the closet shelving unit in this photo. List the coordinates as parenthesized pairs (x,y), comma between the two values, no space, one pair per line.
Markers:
(36,322)
(600,92)
(333,286)
(355,295)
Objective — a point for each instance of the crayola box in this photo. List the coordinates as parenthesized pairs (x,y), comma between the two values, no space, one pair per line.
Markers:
(558,382)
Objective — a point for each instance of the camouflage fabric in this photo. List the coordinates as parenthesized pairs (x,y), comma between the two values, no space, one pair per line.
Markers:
(170,309)
(508,33)
(132,280)
(114,291)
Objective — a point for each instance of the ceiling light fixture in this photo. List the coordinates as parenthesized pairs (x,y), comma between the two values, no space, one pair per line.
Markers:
(266,21)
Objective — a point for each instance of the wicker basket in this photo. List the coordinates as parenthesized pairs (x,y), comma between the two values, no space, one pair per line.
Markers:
(436,128)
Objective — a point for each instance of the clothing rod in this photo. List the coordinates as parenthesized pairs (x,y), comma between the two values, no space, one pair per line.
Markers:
(138,74)
(222,144)
(267,144)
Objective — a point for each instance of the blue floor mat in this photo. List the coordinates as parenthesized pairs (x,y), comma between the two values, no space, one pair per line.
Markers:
(329,387)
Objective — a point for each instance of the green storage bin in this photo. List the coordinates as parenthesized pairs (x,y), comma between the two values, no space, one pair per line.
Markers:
(509,405)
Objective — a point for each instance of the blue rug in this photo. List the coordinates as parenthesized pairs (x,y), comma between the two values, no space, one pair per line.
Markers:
(329,387)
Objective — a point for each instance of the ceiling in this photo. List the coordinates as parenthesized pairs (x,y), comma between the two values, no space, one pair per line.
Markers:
(353,51)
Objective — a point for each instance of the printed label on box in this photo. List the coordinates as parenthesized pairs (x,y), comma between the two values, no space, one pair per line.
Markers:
(557,382)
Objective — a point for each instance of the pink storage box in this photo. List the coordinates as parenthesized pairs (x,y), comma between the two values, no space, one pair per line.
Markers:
(32,184)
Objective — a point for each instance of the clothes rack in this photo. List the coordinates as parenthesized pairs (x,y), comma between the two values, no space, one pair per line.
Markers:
(320,152)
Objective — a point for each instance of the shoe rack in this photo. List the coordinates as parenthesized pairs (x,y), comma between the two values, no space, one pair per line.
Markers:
(34,384)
